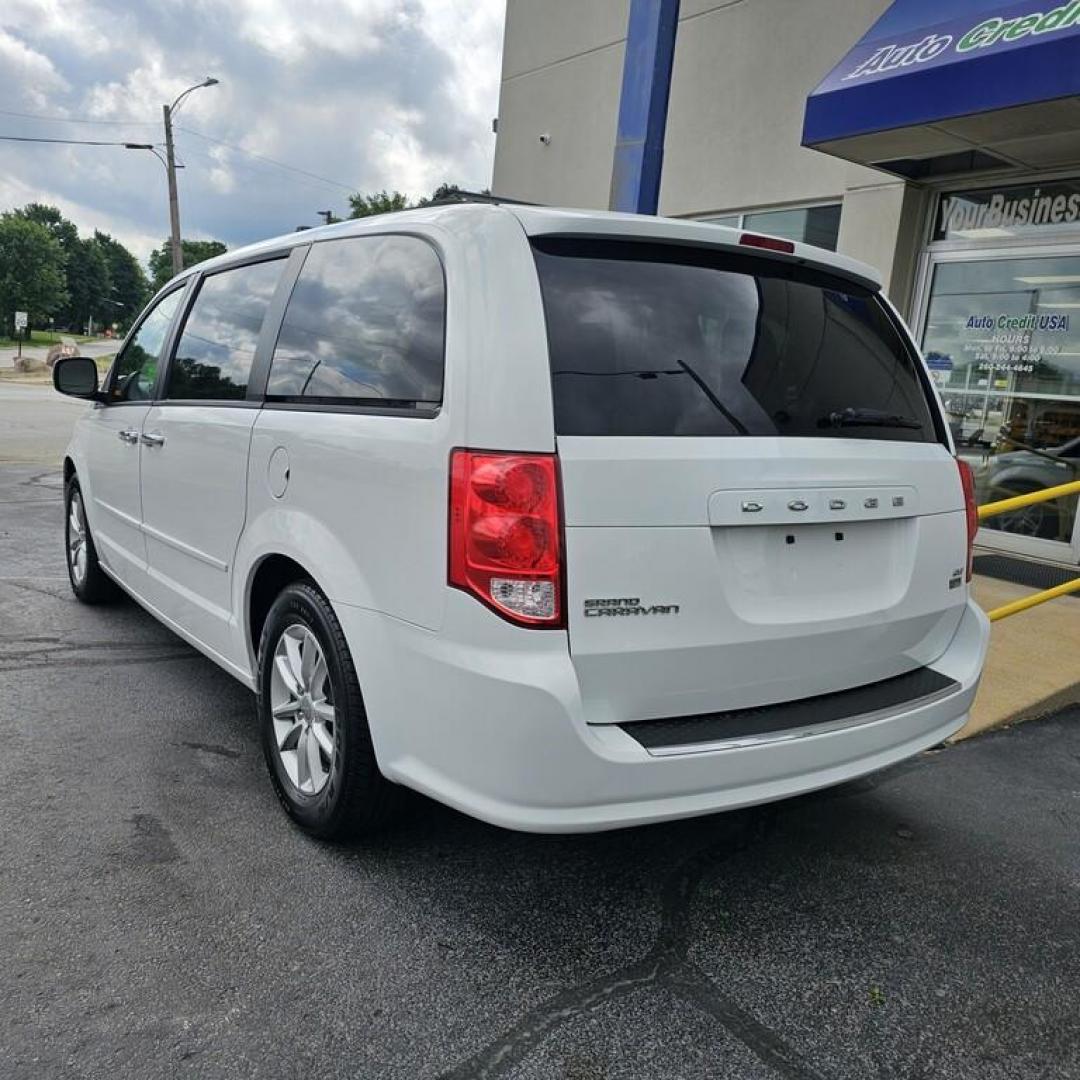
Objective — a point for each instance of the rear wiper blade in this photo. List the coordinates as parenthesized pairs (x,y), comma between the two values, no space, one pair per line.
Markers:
(851,417)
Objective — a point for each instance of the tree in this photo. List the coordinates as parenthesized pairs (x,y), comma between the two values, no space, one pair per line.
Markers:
(82,272)
(386,202)
(193,251)
(88,286)
(31,270)
(129,288)
(443,193)
(382,202)
(60,228)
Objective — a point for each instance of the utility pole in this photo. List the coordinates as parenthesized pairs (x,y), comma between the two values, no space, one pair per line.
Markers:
(170,168)
(174,202)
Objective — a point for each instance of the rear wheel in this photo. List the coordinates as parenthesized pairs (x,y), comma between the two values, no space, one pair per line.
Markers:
(89,582)
(1039,519)
(314,728)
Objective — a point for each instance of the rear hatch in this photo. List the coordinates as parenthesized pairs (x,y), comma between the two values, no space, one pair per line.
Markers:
(758,498)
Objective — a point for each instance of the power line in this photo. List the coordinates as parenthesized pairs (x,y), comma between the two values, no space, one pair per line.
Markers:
(271,161)
(256,168)
(69,142)
(143,123)
(77,120)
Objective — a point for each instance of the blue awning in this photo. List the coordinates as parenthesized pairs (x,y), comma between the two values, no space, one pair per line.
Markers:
(943,63)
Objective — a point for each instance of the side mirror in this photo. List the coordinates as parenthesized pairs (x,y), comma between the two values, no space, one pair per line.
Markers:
(76,376)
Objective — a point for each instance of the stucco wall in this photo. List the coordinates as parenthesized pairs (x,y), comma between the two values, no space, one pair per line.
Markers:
(743,70)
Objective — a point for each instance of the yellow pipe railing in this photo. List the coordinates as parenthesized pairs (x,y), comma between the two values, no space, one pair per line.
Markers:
(1026,602)
(1017,502)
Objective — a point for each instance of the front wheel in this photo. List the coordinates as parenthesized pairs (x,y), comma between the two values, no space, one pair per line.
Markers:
(89,582)
(315,732)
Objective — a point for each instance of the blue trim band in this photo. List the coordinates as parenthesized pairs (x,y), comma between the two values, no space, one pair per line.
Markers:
(643,106)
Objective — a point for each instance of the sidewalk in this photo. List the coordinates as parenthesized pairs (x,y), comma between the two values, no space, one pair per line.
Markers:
(1034,661)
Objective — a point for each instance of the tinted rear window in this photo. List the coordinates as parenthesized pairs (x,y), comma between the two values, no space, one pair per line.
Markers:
(651,339)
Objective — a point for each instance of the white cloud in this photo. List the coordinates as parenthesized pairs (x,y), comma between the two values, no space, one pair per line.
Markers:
(28,75)
(63,22)
(369,94)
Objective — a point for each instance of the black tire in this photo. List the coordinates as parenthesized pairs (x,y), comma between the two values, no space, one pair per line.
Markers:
(1041,520)
(89,583)
(355,798)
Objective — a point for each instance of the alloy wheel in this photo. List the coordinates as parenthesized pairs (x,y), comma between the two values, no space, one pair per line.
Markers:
(76,539)
(302,709)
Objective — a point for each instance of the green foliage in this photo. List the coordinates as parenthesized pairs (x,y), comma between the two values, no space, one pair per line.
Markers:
(31,271)
(129,287)
(385,202)
(382,202)
(443,193)
(86,273)
(60,228)
(88,287)
(192,251)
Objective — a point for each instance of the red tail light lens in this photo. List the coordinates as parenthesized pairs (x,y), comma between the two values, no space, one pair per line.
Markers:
(767,243)
(971,508)
(506,534)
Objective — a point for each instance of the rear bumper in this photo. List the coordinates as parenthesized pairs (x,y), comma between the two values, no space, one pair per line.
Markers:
(496,728)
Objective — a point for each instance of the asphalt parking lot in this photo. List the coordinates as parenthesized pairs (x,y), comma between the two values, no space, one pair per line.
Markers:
(160,917)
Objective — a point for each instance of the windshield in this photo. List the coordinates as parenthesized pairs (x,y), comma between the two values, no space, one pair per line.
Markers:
(649,339)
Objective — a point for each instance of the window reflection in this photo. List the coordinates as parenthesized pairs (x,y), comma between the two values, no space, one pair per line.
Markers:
(1003,342)
(661,341)
(137,365)
(217,347)
(364,323)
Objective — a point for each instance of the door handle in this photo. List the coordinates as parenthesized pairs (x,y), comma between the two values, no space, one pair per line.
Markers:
(130,437)
(153,439)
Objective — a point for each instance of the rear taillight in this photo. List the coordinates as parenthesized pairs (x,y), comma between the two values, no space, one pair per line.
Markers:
(506,534)
(971,509)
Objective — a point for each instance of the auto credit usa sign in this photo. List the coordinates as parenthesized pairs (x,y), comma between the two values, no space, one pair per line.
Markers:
(1007,27)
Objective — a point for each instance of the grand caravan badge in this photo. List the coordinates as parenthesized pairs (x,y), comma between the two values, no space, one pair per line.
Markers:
(626,606)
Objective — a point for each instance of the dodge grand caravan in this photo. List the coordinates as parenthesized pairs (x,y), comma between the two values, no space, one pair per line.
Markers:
(569,520)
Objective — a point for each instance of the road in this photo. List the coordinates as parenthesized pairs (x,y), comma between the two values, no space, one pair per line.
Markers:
(160,917)
(102,347)
(35,423)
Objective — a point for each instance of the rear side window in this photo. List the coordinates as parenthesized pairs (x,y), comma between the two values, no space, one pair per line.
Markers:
(650,339)
(364,326)
(216,349)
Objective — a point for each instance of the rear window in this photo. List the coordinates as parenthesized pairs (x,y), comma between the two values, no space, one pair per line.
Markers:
(650,339)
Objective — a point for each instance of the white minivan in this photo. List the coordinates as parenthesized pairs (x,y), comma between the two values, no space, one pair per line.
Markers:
(569,520)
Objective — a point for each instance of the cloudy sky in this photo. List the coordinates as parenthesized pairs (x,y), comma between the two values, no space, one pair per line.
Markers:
(363,94)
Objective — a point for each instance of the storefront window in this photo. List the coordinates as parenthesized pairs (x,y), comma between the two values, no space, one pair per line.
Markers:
(1042,209)
(1003,342)
(817,225)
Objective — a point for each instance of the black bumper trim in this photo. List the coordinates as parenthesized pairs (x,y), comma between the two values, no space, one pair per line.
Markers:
(806,714)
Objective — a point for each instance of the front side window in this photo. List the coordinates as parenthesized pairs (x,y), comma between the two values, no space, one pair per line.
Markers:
(652,339)
(364,326)
(137,365)
(217,346)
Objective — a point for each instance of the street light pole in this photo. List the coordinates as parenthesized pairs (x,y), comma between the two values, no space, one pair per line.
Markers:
(170,169)
(174,202)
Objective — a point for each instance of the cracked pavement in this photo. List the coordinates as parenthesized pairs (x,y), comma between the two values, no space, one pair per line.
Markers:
(160,917)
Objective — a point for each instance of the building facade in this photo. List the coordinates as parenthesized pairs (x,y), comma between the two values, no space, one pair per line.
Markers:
(937,140)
